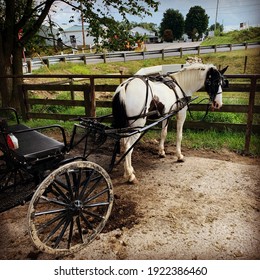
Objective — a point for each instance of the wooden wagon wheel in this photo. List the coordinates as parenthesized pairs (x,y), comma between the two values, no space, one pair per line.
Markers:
(70,207)
(16,185)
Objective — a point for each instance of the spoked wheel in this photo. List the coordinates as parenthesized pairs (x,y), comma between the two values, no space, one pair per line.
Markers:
(70,207)
(16,186)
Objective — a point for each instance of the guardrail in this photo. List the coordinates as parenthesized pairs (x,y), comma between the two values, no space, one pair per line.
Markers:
(126,56)
(89,102)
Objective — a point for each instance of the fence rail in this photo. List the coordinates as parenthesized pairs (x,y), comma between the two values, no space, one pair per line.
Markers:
(89,102)
(128,55)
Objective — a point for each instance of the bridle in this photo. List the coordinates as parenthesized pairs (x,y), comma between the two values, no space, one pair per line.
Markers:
(214,80)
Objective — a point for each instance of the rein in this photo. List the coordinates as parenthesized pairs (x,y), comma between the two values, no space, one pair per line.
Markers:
(206,112)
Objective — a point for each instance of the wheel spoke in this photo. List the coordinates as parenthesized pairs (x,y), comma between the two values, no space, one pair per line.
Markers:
(54,201)
(79,229)
(96,204)
(62,221)
(60,192)
(97,180)
(85,184)
(88,224)
(69,188)
(50,222)
(96,195)
(49,212)
(90,213)
(70,233)
(66,224)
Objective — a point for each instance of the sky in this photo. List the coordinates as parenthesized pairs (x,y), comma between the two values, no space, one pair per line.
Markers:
(230,13)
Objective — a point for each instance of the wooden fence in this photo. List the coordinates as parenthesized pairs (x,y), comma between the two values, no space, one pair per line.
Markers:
(242,83)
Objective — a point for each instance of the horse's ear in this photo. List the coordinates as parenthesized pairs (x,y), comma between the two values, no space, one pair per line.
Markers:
(223,70)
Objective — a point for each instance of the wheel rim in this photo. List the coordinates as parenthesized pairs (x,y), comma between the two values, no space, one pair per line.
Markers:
(70,207)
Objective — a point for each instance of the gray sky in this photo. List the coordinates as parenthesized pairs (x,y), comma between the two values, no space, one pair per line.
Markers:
(230,12)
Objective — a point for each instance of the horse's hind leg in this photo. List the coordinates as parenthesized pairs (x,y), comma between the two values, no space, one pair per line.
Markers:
(181,116)
(163,137)
(128,168)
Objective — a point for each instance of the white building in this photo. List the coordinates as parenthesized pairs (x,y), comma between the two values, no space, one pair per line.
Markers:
(150,35)
(73,36)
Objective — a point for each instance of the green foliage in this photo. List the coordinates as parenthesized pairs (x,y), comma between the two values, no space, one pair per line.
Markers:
(196,22)
(172,20)
(168,35)
(219,27)
(234,37)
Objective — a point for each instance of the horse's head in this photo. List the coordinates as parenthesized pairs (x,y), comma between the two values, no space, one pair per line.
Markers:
(214,83)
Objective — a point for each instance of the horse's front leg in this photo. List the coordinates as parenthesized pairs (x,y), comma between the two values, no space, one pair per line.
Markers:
(181,116)
(162,139)
(128,168)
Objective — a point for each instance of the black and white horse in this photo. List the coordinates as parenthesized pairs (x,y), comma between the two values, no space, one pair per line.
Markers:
(135,98)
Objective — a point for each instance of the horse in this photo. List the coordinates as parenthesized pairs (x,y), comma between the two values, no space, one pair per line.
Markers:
(141,96)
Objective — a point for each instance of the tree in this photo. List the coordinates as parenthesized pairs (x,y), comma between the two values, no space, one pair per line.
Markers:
(167,35)
(20,20)
(196,22)
(173,20)
(219,28)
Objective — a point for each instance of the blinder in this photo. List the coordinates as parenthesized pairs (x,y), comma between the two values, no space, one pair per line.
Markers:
(213,81)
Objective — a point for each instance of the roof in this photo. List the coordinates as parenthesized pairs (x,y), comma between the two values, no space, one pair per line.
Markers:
(74,28)
(142,31)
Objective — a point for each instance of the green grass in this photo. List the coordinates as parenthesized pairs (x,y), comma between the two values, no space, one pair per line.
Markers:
(234,37)
(212,140)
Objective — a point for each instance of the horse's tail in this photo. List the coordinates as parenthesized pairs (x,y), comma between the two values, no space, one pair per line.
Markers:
(120,119)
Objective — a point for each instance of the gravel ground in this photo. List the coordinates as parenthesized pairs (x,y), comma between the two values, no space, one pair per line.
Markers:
(205,208)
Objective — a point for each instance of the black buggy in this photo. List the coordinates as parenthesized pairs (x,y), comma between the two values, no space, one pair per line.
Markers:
(67,184)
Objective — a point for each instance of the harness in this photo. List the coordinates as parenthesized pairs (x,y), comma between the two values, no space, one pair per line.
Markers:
(168,81)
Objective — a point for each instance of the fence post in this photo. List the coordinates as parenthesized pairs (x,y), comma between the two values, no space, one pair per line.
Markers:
(23,99)
(90,99)
(72,95)
(180,52)
(162,54)
(63,59)
(246,44)
(245,64)
(198,50)
(215,48)
(105,57)
(250,114)
(124,57)
(230,47)
(84,59)
(29,66)
(46,62)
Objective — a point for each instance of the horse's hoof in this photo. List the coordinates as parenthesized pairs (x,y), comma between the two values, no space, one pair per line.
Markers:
(180,160)
(162,155)
(132,180)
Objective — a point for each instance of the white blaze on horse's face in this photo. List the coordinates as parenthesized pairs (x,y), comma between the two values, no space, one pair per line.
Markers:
(217,104)
(213,84)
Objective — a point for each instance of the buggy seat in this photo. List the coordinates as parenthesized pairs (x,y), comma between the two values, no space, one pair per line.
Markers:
(33,144)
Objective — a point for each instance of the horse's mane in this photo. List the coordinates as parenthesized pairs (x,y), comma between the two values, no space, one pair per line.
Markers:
(196,75)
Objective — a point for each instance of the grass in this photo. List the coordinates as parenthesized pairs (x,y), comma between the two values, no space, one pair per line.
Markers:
(234,37)
(192,139)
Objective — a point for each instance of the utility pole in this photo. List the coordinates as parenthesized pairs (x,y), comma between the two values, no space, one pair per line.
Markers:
(216,18)
(82,26)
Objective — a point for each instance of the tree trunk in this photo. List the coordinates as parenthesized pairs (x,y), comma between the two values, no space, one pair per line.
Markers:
(17,71)
(10,65)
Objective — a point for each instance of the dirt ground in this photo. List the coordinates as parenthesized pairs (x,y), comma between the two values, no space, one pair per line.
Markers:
(205,208)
